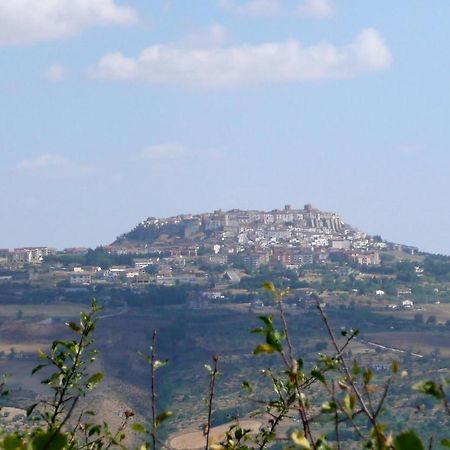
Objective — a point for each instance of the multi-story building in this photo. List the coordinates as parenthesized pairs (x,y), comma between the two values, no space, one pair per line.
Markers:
(255,259)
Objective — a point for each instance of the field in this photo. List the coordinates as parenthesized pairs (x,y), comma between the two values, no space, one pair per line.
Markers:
(188,338)
(40,311)
(440,311)
(424,343)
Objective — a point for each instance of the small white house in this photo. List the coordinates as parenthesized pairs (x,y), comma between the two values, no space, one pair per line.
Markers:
(379,292)
(407,304)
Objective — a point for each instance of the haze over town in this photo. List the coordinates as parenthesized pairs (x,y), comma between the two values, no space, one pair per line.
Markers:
(129,109)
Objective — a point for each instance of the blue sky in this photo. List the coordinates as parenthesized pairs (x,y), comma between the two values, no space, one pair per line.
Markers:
(112,111)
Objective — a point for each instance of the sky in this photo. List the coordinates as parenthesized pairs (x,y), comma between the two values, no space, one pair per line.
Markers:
(112,111)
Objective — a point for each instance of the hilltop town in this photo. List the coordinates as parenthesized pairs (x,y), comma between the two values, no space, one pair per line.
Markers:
(292,237)
(220,253)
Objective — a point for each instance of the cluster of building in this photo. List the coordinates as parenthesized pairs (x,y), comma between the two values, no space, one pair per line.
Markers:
(24,256)
(179,250)
(164,274)
(293,237)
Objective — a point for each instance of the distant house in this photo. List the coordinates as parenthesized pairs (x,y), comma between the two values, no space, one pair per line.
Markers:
(142,263)
(217,259)
(213,295)
(232,276)
(255,259)
(365,258)
(132,273)
(341,244)
(379,292)
(403,292)
(81,279)
(142,278)
(407,304)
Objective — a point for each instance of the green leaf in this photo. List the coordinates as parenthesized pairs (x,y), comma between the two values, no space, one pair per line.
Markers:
(247,387)
(349,403)
(138,427)
(328,407)
(300,440)
(30,409)
(94,380)
(430,388)
(273,340)
(445,443)
(12,442)
(41,354)
(263,348)
(269,286)
(322,444)
(408,440)
(96,429)
(355,368)
(158,364)
(74,327)
(268,320)
(395,366)
(317,374)
(367,376)
(37,368)
(162,417)
(49,441)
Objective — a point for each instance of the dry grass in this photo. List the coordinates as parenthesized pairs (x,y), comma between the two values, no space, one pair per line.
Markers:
(441,312)
(9,311)
(196,440)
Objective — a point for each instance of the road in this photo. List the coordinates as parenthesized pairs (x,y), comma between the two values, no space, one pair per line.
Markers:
(392,349)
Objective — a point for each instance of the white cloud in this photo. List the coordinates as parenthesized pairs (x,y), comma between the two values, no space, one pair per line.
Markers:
(274,62)
(317,9)
(265,8)
(53,165)
(213,35)
(28,21)
(54,73)
(165,151)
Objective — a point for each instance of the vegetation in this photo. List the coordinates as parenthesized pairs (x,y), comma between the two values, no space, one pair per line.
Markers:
(337,401)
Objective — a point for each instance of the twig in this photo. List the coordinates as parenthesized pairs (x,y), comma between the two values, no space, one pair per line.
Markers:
(445,400)
(292,367)
(336,420)
(344,364)
(383,397)
(212,383)
(153,389)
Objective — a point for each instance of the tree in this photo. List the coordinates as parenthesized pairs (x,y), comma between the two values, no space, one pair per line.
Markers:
(431,320)
(151,269)
(418,318)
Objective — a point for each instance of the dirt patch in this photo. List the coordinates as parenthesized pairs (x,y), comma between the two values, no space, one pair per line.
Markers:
(196,440)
